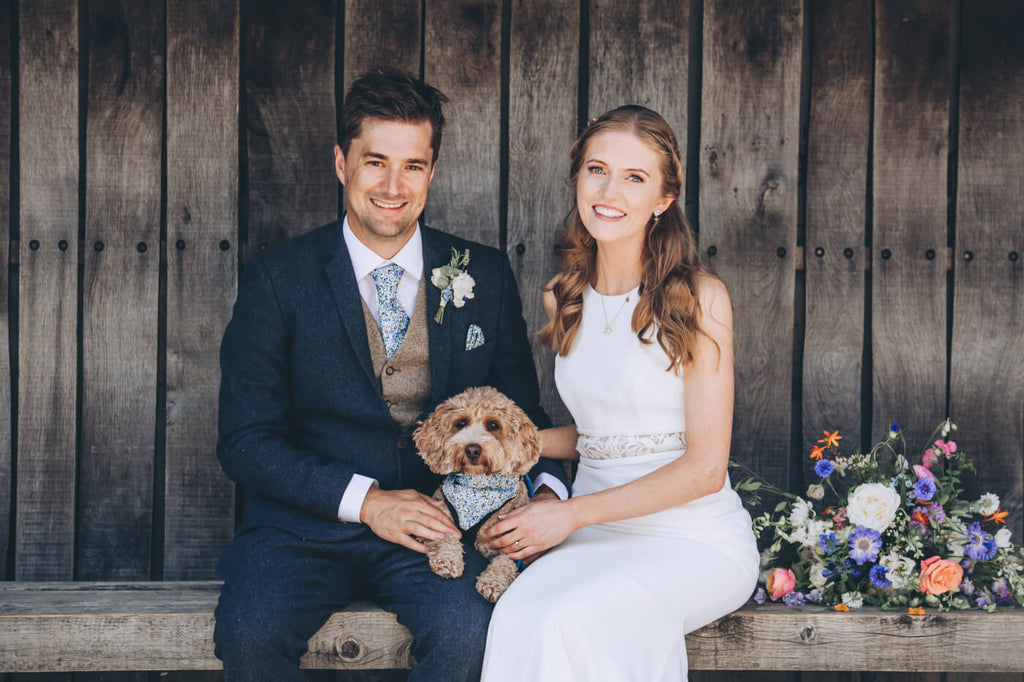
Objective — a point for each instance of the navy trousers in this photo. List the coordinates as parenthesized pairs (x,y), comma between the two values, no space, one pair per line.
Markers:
(279,589)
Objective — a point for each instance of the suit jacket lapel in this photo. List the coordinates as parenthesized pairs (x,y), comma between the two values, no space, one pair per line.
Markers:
(437,252)
(348,300)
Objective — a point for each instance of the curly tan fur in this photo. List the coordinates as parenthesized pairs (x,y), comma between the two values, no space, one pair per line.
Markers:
(509,444)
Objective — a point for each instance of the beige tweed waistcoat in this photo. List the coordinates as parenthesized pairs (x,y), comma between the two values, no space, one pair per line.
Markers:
(404,380)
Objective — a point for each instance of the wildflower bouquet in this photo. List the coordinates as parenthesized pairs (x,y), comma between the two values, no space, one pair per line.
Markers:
(893,534)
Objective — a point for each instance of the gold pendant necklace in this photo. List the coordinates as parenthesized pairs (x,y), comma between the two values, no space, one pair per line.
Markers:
(608,323)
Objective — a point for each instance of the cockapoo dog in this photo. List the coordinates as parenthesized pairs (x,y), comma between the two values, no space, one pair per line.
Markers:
(483,443)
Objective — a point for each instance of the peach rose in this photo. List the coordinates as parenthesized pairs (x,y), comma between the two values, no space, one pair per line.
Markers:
(939,576)
(781,582)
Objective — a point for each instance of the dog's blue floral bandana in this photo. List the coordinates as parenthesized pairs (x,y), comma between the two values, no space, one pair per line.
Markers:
(472,498)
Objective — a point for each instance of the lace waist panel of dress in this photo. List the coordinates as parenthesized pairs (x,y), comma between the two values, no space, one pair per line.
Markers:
(613,446)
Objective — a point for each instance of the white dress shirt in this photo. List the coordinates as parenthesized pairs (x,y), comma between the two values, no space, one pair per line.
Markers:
(410,258)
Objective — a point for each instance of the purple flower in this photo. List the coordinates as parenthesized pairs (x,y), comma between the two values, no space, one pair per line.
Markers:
(864,544)
(878,577)
(814,596)
(824,468)
(980,545)
(760,596)
(794,598)
(1001,589)
(827,541)
(937,513)
(924,489)
(983,601)
(967,587)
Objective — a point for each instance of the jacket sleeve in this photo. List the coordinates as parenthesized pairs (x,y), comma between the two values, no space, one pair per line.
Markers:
(253,445)
(513,371)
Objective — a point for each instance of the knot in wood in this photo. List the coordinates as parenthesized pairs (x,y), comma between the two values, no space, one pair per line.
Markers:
(807,633)
(349,649)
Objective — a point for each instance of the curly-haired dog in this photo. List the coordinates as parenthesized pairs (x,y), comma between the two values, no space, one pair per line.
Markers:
(484,443)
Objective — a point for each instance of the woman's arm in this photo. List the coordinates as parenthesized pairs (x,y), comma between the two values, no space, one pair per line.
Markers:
(701,471)
(559,442)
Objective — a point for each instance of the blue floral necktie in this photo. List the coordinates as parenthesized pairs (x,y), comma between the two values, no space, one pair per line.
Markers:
(392,317)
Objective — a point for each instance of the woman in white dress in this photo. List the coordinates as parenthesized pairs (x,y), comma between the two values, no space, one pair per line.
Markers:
(653,543)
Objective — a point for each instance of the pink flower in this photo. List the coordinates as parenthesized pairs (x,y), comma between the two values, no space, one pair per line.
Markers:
(939,576)
(781,582)
(946,447)
(929,457)
(922,472)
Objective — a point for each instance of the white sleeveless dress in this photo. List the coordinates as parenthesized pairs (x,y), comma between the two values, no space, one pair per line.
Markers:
(614,600)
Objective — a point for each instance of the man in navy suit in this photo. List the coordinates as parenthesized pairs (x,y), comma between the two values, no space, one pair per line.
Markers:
(331,355)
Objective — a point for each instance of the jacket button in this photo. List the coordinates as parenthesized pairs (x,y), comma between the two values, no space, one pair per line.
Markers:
(389,370)
(403,442)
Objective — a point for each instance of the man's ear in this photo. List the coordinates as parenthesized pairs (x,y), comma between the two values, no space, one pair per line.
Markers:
(339,163)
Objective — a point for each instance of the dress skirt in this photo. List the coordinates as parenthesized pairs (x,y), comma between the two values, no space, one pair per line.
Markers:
(614,600)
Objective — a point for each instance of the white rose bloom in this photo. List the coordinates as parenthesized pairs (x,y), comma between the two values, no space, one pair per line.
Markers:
(816,577)
(873,505)
(462,289)
(815,491)
(854,600)
(801,511)
(988,504)
(1002,538)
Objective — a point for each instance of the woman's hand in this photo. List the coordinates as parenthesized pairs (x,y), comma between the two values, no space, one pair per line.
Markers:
(532,529)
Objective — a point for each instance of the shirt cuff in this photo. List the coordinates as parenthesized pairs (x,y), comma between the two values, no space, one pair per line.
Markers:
(352,500)
(552,482)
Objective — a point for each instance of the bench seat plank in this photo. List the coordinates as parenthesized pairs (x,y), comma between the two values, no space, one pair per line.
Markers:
(54,627)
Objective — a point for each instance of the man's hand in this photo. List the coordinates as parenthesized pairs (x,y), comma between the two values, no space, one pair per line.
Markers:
(398,515)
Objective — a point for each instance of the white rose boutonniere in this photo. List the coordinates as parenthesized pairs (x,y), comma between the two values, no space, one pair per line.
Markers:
(873,505)
(455,283)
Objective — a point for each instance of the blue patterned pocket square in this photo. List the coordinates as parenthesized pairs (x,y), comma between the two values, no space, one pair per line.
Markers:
(474,337)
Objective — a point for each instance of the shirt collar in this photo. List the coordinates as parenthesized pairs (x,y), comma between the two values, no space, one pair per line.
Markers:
(365,261)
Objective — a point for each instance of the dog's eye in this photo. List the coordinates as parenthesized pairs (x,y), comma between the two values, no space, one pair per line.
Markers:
(493,425)
(462,423)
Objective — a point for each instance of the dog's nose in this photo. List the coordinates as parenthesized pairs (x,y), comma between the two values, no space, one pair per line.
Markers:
(473,452)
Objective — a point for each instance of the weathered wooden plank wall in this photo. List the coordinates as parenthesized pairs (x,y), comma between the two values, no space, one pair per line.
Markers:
(149,149)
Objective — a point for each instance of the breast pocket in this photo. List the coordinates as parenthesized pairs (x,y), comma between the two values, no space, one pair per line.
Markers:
(470,368)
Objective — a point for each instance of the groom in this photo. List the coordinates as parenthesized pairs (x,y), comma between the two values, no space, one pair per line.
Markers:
(332,354)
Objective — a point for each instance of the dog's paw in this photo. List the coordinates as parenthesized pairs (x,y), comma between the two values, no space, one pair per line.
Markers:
(496,578)
(446,560)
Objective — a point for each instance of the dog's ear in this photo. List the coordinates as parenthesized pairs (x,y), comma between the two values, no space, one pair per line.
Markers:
(430,437)
(522,440)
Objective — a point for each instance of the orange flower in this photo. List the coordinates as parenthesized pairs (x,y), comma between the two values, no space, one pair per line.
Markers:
(921,518)
(919,611)
(831,440)
(842,608)
(999,516)
(939,576)
(817,451)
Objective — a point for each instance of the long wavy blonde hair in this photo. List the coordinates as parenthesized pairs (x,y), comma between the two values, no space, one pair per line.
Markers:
(670,260)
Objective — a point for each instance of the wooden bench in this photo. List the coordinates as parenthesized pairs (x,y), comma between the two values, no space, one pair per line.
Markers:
(63,627)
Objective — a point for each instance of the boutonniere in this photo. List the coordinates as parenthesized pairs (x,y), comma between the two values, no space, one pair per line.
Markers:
(454,282)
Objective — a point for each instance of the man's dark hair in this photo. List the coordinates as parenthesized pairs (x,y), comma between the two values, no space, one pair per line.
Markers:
(391,95)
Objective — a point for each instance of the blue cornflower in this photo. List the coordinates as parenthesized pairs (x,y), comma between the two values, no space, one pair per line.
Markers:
(924,489)
(827,541)
(894,427)
(879,577)
(824,468)
(980,545)
(864,544)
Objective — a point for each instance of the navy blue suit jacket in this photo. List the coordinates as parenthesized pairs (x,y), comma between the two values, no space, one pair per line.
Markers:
(300,410)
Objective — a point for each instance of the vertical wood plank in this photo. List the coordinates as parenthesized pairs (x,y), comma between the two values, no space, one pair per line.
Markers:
(987,382)
(638,55)
(202,241)
(48,288)
(462,57)
(542,128)
(908,313)
(5,223)
(748,207)
(290,119)
(121,287)
(381,32)
(837,162)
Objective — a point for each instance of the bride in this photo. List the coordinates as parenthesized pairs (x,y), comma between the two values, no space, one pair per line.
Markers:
(653,543)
